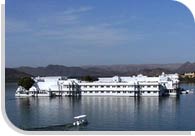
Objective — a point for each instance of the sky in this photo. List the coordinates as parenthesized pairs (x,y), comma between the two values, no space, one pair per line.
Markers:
(94,32)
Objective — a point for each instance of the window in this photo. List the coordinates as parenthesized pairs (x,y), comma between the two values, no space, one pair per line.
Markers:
(124,86)
(155,92)
(118,86)
(90,91)
(102,86)
(113,92)
(96,86)
(90,86)
(148,92)
(113,86)
(118,91)
(148,86)
(96,91)
(124,91)
(107,86)
(102,91)
(140,87)
(108,91)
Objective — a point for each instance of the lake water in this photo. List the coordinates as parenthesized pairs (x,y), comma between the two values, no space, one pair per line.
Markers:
(103,113)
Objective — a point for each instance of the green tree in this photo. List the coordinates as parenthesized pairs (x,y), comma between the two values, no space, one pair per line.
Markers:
(89,78)
(26,82)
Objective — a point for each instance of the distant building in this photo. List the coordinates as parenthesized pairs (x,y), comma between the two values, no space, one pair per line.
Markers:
(189,75)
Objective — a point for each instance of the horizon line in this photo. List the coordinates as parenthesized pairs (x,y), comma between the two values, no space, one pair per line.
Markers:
(92,65)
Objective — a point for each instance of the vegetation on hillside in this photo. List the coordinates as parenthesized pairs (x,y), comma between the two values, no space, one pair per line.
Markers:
(12,75)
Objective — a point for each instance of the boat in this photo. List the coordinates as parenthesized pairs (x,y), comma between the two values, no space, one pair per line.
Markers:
(189,91)
(183,92)
(186,91)
(80,120)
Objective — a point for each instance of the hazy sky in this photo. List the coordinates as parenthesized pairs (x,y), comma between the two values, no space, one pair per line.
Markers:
(93,32)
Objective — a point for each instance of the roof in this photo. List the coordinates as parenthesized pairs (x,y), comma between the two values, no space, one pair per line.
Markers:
(81,116)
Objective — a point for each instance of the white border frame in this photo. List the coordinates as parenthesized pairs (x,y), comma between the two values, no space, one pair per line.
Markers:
(7,124)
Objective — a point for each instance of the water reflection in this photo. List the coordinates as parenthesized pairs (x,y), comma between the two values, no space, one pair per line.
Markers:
(104,113)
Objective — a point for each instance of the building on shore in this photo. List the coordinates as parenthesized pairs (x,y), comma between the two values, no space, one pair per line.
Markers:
(188,75)
(165,84)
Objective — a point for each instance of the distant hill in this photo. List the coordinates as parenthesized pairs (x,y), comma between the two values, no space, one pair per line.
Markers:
(186,67)
(12,75)
(121,70)
(135,68)
(60,70)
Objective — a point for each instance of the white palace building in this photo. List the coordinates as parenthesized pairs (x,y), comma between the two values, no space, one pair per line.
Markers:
(165,84)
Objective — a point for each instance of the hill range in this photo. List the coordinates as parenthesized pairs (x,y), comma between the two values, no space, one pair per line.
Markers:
(13,74)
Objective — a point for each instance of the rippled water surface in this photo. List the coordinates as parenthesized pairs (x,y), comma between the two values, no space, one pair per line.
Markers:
(103,113)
